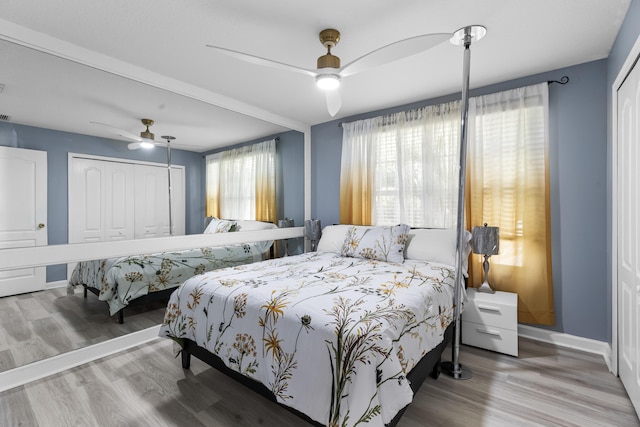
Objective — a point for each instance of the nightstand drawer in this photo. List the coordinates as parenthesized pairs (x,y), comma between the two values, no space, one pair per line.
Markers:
(489,337)
(498,310)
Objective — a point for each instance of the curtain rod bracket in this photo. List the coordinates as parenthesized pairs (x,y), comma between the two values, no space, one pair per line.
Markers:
(563,80)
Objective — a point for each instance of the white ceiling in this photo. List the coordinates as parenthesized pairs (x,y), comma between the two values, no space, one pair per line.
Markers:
(148,59)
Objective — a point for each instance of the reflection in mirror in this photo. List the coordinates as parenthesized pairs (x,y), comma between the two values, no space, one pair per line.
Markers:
(47,322)
(43,324)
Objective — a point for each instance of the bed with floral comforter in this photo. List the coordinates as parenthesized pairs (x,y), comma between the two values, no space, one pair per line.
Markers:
(118,281)
(331,336)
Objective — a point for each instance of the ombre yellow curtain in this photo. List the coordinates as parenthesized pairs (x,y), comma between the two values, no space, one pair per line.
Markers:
(357,172)
(508,187)
(212,188)
(241,183)
(265,176)
(402,168)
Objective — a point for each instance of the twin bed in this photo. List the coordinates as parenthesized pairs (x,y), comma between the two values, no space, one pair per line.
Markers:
(341,336)
(118,281)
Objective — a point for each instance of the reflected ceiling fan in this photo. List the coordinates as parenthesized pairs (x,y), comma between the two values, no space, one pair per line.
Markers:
(329,72)
(145,140)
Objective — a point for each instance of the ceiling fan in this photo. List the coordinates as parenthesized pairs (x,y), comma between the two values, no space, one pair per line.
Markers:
(145,140)
(329,72)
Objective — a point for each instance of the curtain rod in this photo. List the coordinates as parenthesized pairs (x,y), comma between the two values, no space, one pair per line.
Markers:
(563,80)
(277,138)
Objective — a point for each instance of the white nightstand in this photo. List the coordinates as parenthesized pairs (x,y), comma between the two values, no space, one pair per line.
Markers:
(491,321)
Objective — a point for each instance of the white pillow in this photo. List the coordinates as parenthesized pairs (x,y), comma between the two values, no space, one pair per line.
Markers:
(220,226)
(426,244)
(332,238)
(248,225)
(383,243)
(437,245)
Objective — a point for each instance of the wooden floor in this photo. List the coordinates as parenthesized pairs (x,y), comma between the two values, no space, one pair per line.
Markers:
(146,386)
(42,324)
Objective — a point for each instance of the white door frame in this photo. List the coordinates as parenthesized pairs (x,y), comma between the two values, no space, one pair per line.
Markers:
(626,68)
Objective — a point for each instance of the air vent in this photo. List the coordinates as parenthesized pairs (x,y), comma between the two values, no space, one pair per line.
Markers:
(5,118)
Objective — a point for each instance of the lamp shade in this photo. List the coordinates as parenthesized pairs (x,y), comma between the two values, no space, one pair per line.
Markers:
(485,240)
(285,223)
(312,229)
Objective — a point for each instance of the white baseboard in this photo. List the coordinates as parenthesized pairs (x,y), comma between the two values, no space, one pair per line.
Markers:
(43,368)
(56,284)
(568,341)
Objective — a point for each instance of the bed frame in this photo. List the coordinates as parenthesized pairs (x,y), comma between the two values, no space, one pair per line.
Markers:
(430,364)
(153,296)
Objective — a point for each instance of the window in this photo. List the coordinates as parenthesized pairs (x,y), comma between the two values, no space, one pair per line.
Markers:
(404,168)
(241,183)
(413,159)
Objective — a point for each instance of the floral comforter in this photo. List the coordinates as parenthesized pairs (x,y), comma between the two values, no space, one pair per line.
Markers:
(330,336)
(123,279)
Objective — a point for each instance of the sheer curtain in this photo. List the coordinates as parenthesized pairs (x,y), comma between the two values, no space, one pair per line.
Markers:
(403,168)
(508,187)
(241,183)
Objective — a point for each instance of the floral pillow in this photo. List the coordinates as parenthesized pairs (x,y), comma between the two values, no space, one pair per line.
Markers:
(220,226)
(380,243)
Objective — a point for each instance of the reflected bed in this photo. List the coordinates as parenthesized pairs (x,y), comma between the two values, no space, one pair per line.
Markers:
(118,281)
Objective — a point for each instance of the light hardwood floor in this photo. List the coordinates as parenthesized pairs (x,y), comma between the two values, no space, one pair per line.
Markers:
(42,324)
(146,386)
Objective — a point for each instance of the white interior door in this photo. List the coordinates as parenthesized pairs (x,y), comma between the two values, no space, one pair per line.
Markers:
(86,200)
(119,221)
(628,203)
(23,214)
(101,206)
(152,201)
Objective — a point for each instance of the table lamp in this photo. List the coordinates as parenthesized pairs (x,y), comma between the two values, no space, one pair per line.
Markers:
(313,232)
(485,241)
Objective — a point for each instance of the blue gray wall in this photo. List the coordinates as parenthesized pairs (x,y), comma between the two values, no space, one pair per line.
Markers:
(578,174)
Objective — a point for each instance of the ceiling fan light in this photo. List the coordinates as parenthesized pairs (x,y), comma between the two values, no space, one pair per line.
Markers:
(328,81)
(146,143)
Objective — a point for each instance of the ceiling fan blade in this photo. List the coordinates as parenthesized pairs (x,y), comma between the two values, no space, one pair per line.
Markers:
(134,146)
(262,61)
(334,102)
(120,132)
(394,51)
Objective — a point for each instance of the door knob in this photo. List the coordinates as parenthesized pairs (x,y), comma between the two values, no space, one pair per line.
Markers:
(41,225)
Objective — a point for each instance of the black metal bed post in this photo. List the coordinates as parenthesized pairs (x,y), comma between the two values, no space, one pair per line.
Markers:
(463,36)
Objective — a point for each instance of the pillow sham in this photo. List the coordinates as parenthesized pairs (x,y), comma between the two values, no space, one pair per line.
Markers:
(383,243)
(250,225)
(332,238)
(437,245)
(217,225)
